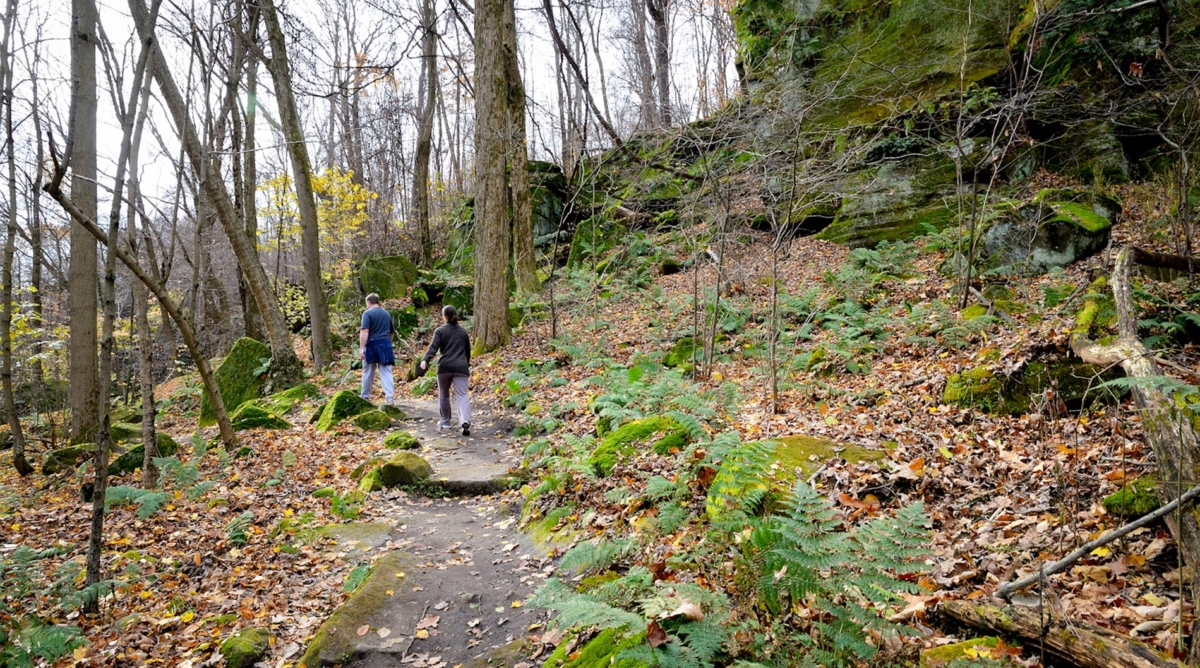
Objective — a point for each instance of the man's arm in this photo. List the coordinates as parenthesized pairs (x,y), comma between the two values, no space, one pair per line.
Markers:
(362,341)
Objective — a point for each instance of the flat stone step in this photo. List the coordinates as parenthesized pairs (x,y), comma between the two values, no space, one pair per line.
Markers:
(472,478)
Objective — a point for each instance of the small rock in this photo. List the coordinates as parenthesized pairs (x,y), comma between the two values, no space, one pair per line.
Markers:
(244,648)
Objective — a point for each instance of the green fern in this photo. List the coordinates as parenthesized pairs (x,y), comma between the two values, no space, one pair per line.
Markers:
(575,609)
(588,557)
(237,529)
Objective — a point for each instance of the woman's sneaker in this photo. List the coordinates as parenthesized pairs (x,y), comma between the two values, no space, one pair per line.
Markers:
(466,429)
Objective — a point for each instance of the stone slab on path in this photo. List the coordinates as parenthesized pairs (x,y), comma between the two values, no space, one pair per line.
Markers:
(463,465)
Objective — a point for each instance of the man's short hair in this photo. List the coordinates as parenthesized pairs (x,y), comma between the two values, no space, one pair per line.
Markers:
(372,298)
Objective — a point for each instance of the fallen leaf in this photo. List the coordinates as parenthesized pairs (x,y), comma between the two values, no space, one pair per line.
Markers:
(428,622)
(655,634)
(422,634)
(687,609)
(363,630)
(384,632)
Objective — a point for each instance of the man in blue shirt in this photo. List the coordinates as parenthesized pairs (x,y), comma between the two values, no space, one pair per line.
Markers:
(375,340)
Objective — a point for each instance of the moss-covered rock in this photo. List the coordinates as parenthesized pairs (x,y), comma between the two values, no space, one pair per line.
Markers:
(420,298)
(370,482)
(235,377)
(132,459)
(1074,383)
(337,639)
(121,432)
(794,456)
(1050,233)
(125,413)
(404,469)
(1135,499)
(374,420)
(895,201)
(974,648)
(389,277)
(401,440)
(244,648)
(977,388)
(394,412)
(664,433)
(342,405)
(252,416)
(599,652)
(68,457)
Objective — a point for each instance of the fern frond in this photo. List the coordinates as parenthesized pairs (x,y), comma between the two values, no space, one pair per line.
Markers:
(575,609)
(588,557)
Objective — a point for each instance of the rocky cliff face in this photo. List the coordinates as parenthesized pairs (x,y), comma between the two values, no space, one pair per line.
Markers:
(869,121)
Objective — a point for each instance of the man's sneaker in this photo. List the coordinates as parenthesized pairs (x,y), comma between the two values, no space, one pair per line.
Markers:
(444,426)
(466,429)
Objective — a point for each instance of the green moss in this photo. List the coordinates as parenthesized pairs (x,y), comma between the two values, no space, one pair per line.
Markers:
(235,377)
(65,458)
(342,405)
(976,387)
(129,414)
(375,420)
(406,320)
(941,656)
(121,432)
(370,482)
(1074,383)
(420,298)
(404,469)
(324,493)
(599,652)
(389,277)
(593,238)
(401,440)
(1135,499)
(282,403)
(252,416)
(1081,215)
(664,432)
(973,311)
(244,648)
(598,580)
(132,458)
(337,639)
(797,456)
(393,412)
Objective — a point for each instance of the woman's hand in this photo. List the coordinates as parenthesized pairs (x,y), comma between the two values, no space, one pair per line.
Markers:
(423,365)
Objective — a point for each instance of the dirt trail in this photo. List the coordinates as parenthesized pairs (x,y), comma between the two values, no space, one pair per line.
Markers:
(466,570)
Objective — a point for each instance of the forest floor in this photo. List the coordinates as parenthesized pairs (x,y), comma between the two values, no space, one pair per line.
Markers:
(1002,492)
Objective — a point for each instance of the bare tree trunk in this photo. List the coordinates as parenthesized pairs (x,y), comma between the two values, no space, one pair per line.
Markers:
(7,62)
(645,69)
(289,117)
(81,294)
(524,264)
(660,14)
(425,135)
(492,229)
(285,367)
(250,315)
(35,235)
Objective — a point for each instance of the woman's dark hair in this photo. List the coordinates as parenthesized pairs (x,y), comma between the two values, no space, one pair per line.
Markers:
(450,314)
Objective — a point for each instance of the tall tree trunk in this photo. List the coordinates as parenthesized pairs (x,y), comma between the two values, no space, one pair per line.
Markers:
(35,243)
(7,61)
(660,14)
(524,265)
(81,291)
(492,229)
(250,314)
(425,135)
(648,116)
(285,367)
(289,118)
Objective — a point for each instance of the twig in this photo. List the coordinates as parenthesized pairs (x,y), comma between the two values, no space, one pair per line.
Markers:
(1058,566)
(413,637)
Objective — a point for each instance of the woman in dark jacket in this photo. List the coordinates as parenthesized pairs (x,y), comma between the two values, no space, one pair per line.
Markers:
(454,369)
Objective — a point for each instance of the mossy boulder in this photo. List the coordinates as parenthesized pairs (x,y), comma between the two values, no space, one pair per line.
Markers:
(394,412)
(1091,152)
(252,416)
(420,298)
(895,201)
(794,457)
(1135,499)
(68,457)
(121,432)
(236,377)
(337,638)
(389,277)
(294,395)
(593,238)
(374,420)
(342,405)
(401,440)
(244,648)
(1075,384)
(125,413)
(599,652)
(662,432)
(1050,233)
(132,459)
(404,469)
(966,650)
(370,482)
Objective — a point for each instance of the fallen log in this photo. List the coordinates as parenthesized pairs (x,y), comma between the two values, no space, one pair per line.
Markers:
(1168,429)
(1066,641)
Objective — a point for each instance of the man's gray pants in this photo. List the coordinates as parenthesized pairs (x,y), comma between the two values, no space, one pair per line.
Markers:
(385,379)
(459,382)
